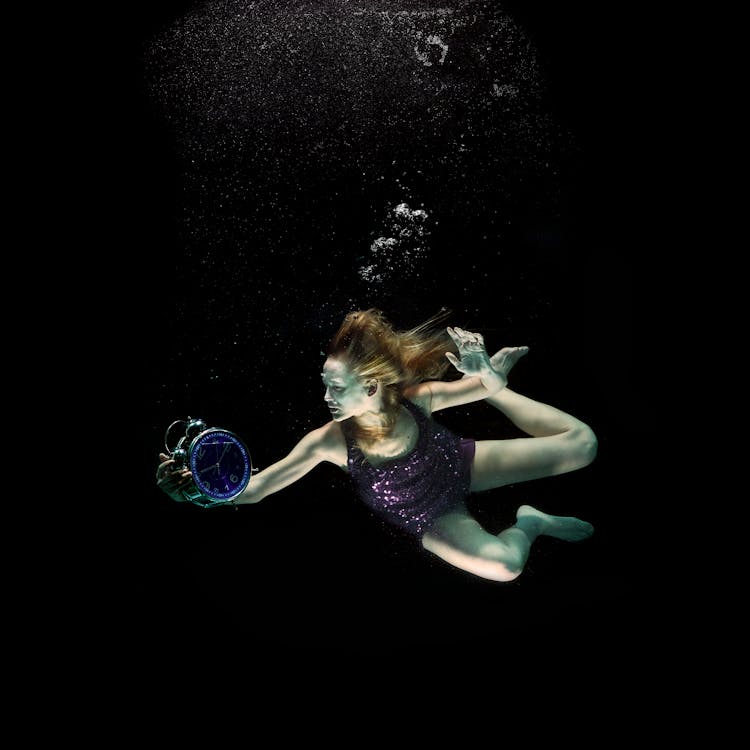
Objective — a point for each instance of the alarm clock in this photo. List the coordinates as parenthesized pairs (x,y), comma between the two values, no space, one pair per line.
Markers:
(219,462)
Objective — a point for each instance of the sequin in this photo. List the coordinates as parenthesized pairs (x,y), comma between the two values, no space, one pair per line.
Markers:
(412,491)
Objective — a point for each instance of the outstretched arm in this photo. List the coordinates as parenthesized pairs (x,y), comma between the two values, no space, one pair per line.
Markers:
(323,444)
(318,445)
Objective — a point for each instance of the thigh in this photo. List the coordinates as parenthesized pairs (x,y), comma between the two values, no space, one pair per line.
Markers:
(459,539)
(459,530)
(501,462)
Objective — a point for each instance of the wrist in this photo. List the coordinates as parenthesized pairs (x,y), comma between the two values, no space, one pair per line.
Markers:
(493,381)
(248,496)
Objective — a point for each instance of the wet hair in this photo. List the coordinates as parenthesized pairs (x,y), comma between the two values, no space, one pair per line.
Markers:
(375,350)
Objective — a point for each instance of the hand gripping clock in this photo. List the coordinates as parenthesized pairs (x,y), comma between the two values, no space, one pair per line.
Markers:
(218,460)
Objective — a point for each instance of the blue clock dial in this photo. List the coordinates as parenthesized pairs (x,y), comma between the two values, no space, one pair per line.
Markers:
(220,464)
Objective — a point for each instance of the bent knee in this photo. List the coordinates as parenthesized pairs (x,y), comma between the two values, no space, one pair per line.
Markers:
(498,571)
(493,570)
(590,446)
(490,563)
(584,446)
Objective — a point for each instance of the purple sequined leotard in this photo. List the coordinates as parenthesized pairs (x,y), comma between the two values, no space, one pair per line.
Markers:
(412,491)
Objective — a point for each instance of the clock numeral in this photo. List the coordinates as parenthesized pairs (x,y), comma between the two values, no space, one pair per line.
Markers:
(233,478)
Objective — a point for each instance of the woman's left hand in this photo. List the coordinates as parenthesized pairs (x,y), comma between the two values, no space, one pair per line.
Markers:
(474,359)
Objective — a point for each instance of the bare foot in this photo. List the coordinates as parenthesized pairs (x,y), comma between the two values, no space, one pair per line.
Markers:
(502,362)
(561,527)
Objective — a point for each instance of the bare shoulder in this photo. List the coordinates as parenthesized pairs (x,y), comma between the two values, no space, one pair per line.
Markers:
(421,395)
(329,443)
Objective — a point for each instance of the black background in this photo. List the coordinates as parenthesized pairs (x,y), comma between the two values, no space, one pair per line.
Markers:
(309,569)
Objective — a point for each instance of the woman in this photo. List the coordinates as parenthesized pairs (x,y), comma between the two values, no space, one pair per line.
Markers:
(382,387)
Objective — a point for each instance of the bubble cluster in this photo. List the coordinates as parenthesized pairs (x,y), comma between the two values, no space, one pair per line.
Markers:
(402,251)
(295,124)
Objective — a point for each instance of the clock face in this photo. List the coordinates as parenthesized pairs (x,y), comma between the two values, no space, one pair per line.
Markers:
(220,464)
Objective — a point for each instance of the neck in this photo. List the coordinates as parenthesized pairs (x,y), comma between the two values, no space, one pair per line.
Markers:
(372,419)
(372,427)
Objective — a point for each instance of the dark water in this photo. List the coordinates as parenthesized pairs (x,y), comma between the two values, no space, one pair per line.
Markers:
(291,161)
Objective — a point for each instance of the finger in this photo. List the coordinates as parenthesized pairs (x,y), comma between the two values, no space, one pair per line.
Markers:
(468,336)
(452,359)
(173,482)
(166,471)
(461,338)
(166,463)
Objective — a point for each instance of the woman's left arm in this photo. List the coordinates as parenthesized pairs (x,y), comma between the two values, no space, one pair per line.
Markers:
(481,380)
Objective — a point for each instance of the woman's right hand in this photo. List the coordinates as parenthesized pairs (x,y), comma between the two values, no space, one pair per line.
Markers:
(170,480)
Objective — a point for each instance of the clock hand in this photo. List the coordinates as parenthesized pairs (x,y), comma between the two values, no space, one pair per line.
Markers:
(226,448)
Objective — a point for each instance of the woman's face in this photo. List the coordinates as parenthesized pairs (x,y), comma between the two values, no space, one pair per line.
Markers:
(345,395)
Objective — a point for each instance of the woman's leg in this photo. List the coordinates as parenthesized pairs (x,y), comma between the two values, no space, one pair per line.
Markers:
(501,462)
(559,442)
(458,538)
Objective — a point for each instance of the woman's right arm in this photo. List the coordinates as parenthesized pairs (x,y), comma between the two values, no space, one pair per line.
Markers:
(318,445)
(323,444)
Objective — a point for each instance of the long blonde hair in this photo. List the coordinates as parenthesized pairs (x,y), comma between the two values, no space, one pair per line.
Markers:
(375,350)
